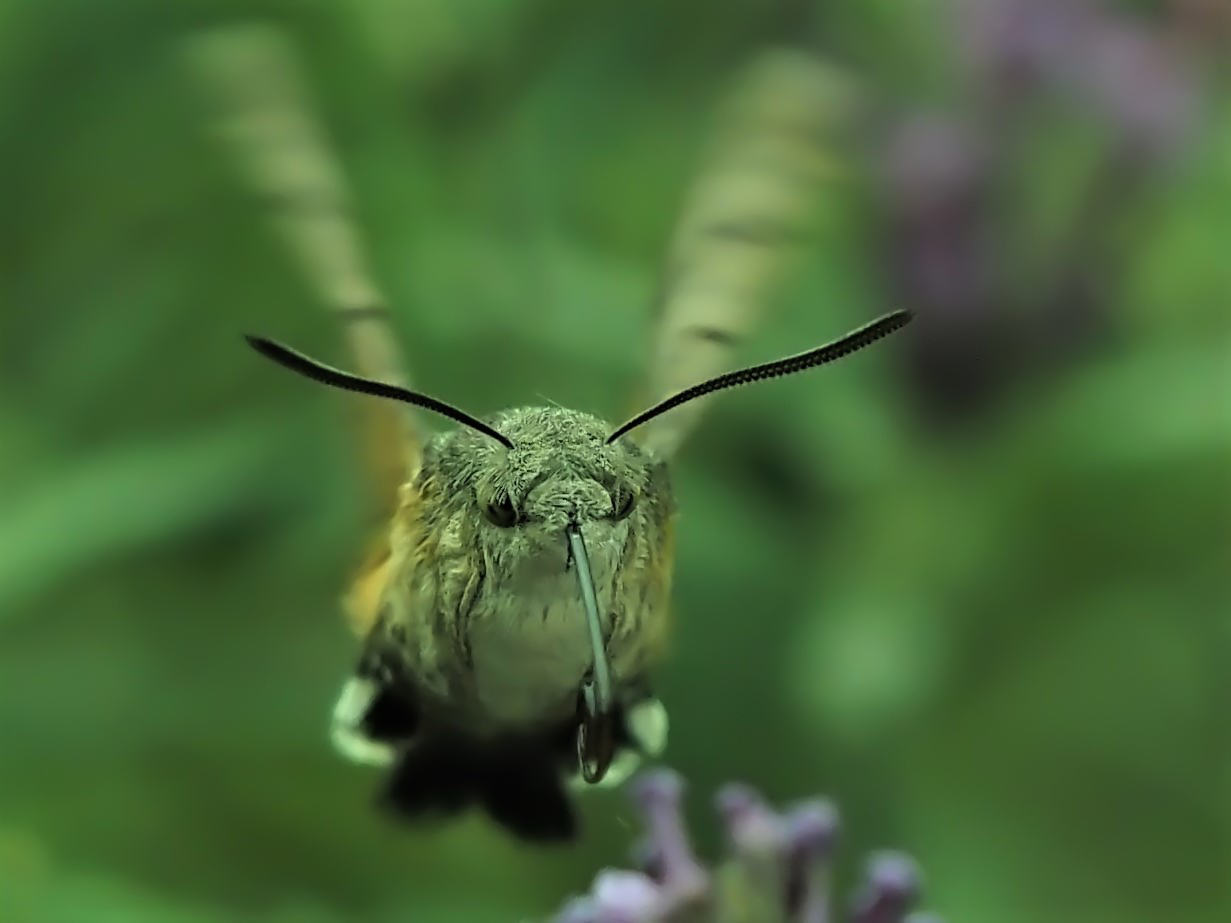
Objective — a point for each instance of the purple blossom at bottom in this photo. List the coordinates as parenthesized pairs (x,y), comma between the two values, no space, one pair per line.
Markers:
(777,868)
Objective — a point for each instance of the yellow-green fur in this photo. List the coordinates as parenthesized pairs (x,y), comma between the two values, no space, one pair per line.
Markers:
(491,620)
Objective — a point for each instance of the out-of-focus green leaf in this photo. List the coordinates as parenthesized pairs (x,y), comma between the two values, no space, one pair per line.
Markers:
(96,511)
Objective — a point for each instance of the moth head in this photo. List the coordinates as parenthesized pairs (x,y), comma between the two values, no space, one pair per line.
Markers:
(558,470)
(526,473)
(561,469)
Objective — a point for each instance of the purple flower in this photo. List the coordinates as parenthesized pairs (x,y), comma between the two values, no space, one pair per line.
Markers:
(1131,76)
(777,869)
(1018,46)
(949,176)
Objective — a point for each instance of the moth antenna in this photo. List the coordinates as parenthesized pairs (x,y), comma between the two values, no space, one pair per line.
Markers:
(345,381)
(800,362)
(776,152)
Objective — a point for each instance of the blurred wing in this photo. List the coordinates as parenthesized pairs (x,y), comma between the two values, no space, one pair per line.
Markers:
(263,114)
(745,219)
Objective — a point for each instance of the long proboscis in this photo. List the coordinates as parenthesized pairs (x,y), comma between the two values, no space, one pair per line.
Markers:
(594,744)
(790,365)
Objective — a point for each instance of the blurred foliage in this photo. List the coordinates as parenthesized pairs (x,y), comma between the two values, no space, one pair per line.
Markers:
(1001,644)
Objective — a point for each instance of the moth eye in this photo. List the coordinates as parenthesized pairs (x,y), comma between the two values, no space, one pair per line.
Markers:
(622,504)
(501,512)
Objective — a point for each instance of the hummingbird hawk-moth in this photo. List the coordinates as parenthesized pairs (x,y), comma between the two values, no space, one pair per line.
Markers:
(515,605)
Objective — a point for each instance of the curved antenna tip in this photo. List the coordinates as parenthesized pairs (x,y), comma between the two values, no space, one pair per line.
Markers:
(264,345)
(851,343)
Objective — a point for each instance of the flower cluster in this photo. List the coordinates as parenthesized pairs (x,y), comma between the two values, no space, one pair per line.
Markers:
(1131,74)
(777,871)
(952,245)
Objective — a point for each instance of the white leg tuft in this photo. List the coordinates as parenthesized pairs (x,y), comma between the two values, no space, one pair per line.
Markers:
(345,733)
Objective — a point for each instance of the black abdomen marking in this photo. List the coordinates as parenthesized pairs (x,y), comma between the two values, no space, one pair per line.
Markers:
(519,782)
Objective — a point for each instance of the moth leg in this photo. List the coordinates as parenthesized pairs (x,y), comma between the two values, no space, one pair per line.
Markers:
(375,716)
(346,726)
(641,734)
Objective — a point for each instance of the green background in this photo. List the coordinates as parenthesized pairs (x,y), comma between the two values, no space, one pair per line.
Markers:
(1001,646)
